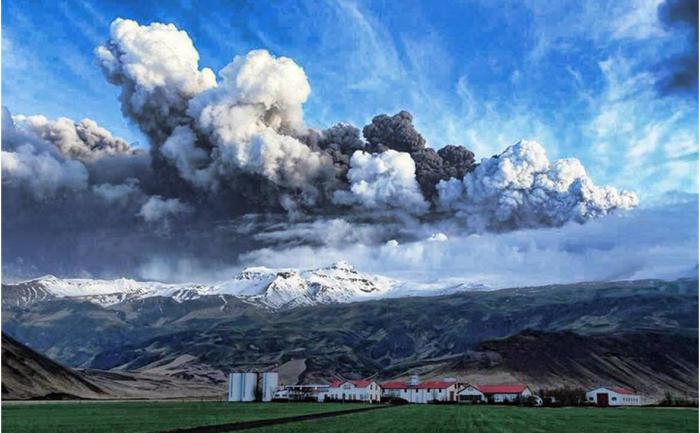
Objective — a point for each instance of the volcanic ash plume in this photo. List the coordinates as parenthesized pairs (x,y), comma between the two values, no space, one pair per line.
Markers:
(520,188)
(234,147)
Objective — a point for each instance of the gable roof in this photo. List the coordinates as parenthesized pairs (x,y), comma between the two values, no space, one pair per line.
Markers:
(395,385)
(514,388)
(617,389)
(434,384)
(358,383)
(468,386)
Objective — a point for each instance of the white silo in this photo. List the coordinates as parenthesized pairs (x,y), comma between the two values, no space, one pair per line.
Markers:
(249,383)
(269,382)
(234,386)
(242,386)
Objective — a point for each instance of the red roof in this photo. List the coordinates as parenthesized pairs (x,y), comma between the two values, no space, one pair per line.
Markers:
(620,390)
(431,384)
(394,385)
(434,384)
(515,388)
(361,383)
(357,383)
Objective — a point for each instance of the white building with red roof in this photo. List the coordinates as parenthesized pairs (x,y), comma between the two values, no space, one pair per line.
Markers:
(494,393)
(613,396)
(355,390)
(414,391)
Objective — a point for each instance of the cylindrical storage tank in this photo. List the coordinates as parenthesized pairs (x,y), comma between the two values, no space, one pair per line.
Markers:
(269,385)
(234,386)
(249,383)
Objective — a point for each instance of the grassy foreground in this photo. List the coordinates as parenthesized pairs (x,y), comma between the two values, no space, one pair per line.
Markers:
(148,417)
(143,416)
(490,419)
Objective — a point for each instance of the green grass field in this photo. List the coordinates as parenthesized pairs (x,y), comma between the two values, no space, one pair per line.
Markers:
(146,417)
(143,417)
(494,419)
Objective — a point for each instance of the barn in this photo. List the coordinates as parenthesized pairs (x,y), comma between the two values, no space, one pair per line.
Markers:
(504,393)
(613,396)
(355,390)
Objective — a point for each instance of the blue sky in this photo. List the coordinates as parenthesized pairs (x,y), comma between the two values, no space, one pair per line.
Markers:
(582,78)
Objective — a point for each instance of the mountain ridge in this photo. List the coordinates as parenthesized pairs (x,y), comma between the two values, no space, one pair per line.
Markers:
(267,287)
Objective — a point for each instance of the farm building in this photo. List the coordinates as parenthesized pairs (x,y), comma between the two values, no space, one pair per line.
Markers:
(498,393)
(302,392)
(414,391)
(471,394)
(436,390)
(613,396)
(355,390)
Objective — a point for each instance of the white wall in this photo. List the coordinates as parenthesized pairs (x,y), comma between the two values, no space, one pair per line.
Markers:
(501,398)
(614,398)
(349,392)
(422,395)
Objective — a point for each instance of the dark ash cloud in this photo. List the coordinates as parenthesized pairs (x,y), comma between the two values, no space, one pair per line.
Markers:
(678,73)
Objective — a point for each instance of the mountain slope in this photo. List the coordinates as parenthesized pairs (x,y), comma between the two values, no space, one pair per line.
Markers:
(27,374)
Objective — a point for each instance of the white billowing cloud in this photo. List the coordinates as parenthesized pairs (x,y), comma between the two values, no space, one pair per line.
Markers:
(41,171)
(191,161)
(246,122)
(278,84)
(84,140)
(157,67)
(520,188)
(251,116)
(383,181)
(157,209)
(36,166)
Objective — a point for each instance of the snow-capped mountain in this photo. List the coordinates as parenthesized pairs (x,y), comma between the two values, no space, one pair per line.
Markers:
(271,288)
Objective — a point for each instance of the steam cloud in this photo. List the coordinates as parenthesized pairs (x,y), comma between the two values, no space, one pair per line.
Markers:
(235,151)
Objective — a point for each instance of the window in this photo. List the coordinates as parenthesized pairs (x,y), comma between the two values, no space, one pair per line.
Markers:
(614,399)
